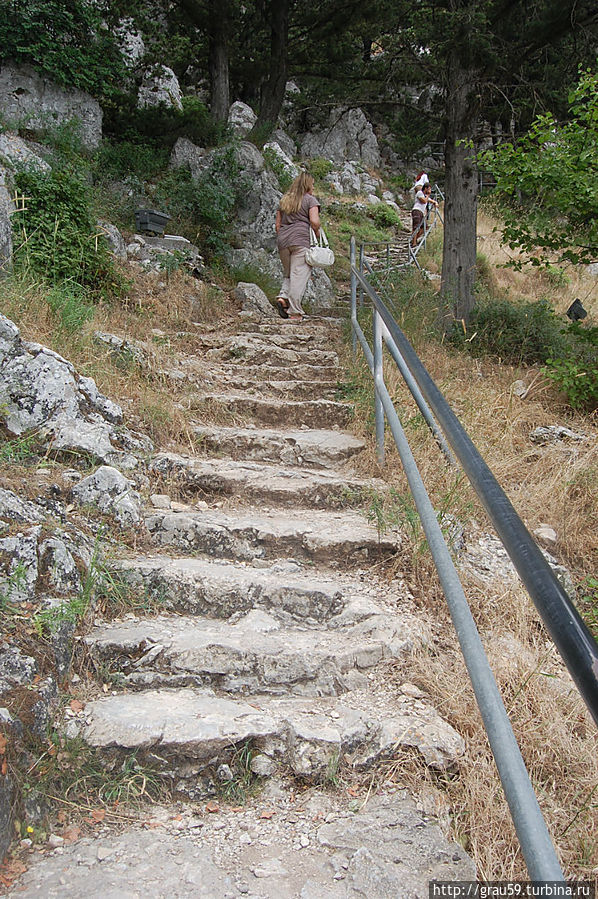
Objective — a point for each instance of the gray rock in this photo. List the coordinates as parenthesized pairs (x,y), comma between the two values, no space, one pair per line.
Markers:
(26,96)
(186,154)
(319,293)
(347,136)
(253,299)
(116,241)
(6,210)
(130,41)
(15,509)
(19,573)
(112,493)
(286,143)
(18,154)
(283,161)
(241,118)
(16,669)
(58,566)
(556,434)
(160,87)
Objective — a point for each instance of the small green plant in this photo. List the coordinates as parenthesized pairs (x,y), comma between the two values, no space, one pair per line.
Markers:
(576,380)
(13,587)
(21,450)
(318,168)
(173,261)
(276,165)
(385,216)
(69,303)
(243,782)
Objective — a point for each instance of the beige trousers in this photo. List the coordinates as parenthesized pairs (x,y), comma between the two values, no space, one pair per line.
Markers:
(296,274)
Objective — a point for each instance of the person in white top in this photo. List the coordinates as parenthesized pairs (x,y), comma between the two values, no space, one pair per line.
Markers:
(418,213)
(421,179)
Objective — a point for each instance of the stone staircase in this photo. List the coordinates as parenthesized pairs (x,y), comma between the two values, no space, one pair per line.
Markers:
(273,633)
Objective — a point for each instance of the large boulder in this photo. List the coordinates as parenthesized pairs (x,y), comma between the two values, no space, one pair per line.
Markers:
(160,87)
(256,215)
(346,136)
(130,42)
(26,96)
(19,154)
(241,119)
(41,391)
(186,154)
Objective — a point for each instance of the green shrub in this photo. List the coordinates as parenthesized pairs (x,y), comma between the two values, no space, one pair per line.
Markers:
(385,216)
(68,301)
(114,161)
(204,206)
(68,42)
(285,179)
(576,374)
(56,236)
(161,126)
(527,332)
(318,168)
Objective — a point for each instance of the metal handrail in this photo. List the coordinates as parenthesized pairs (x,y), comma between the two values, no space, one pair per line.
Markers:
(569,633)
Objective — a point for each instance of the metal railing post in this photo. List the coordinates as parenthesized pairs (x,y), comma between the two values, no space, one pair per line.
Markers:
(361,255)
(378,385)
(353,295)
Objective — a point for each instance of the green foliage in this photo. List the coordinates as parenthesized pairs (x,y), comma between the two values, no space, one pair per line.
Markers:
(577,373)
(115,160)
(67,42)
(68,301)
(161,126)
(20,451)
(526,332)
(251,274)
(285,179)
(385,216)
(204,205)
(56,235)
(318,168)
(549,182)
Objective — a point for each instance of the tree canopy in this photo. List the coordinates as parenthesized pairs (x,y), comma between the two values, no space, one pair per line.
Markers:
(550,180)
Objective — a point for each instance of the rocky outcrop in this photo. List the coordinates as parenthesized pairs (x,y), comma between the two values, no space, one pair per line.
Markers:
(160,87)
(26,96)
(241,119)
(6,210)
(346,136)
(42,392)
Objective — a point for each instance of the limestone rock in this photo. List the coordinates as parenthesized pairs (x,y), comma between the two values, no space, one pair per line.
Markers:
(19,155)
(282,160)
(116,241)
(253,299)
(130,41)
(26,96)
(160,87)
(241,118)
(6,210)
(112,493)
(347,136)
(319,293)
(186,154)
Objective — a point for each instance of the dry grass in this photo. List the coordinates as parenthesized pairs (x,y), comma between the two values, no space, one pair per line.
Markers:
(555,484)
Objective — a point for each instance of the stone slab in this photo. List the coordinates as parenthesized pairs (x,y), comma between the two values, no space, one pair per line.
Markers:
(260,482)
(337,538)
(320,414)
(307,448)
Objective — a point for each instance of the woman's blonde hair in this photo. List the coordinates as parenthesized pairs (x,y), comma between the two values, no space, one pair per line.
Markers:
(291,201)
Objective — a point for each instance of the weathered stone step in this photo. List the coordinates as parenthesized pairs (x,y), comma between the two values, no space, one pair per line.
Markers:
(315,413)
(301,447)
(339,539)
(255,653)
(254,351)
(288,388)
(254,373)
(221,589)
(263,482)
(190,731)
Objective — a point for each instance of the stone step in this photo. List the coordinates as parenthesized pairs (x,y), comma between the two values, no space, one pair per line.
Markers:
(255,373)
(286,388)
(221,589)
(254,653)
(339,539)
(254,351)
(262,482)
(190,731)
(312,413)
(310,447)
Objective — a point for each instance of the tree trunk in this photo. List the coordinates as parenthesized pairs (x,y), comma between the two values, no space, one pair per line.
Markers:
(461,189)
(273,93)
(218,59)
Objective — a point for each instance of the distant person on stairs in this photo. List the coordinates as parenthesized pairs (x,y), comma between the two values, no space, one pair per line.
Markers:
(419,212)
(298,210)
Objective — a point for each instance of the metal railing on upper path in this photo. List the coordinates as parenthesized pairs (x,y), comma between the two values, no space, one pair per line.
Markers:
(573,640)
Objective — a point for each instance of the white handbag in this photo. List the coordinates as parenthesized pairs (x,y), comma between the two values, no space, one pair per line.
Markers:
(319,253)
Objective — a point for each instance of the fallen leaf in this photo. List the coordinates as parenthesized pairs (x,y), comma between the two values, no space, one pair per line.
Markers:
(76,705)
(268,813)
(237,808)
(3,743)
(4,768)
(353,791)
(98,815)
(61,816)
(71,834)
(212,806)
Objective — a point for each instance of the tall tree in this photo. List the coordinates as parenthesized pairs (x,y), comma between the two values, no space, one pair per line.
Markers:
(273,90)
